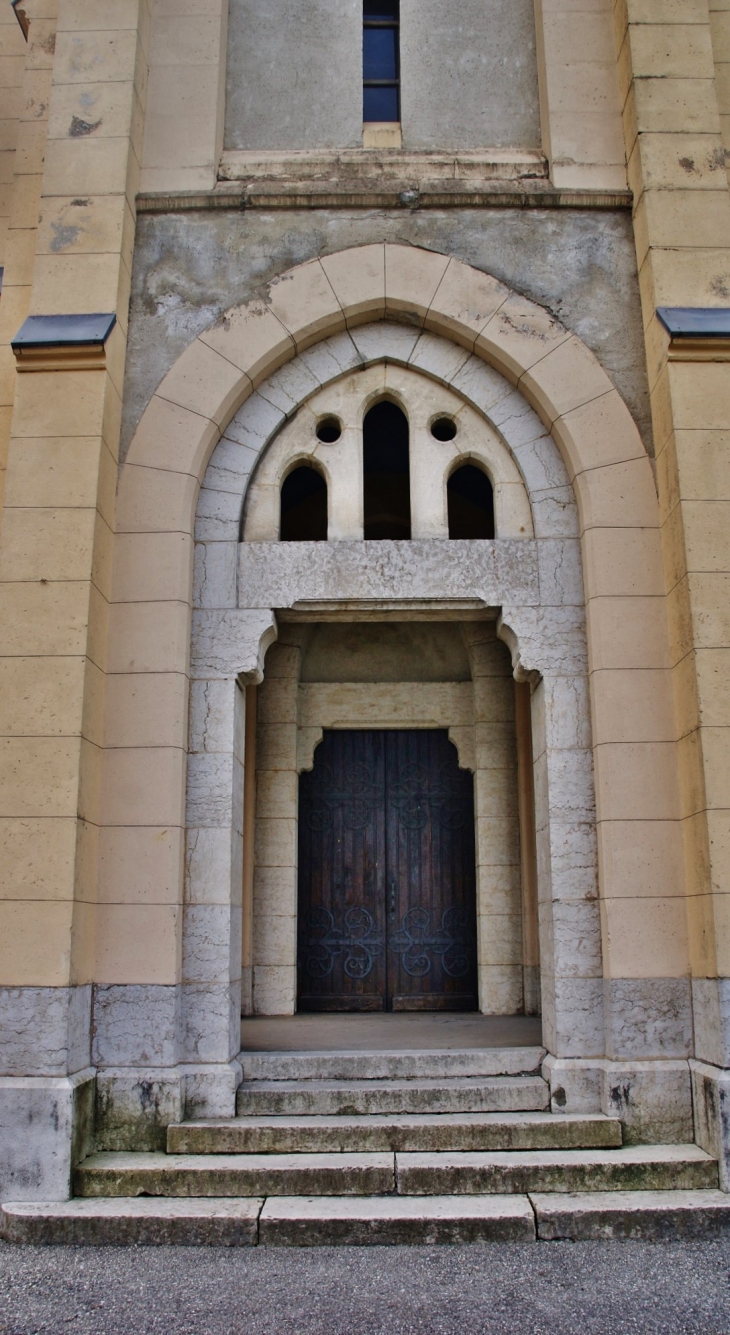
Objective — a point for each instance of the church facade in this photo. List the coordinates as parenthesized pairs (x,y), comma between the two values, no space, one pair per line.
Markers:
(364,549)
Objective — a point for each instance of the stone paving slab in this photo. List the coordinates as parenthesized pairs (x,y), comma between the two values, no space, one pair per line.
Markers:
(631,1168)
(417,1132)
(387,1032)
(141,1221)
(653,1216)
(316,1221)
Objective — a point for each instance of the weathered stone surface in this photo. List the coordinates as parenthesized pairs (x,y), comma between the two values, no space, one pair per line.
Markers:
(423,1065)
(425,1132)
(645,1167)
(330,1097)
(44,1030)
(279,574)
(46,1125)
(653,1100)
(711,1100)
(653,1216)
(190,268)
(235,1175)
(135,1105)
(296,1222)
(140,1221)
(269,104)
(471,79)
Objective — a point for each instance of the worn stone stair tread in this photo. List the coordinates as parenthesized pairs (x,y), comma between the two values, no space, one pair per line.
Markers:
(403,1064)
(630,1168)
(317,1221)
(154,1174)
(461,1094)
(141,1220)
(649,1215)
(401,1131)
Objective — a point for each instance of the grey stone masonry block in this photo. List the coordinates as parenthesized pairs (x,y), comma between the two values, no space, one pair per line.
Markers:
(711,1099)
(46,1126)
(575,1085)
(280,574)
(294,74)
(44,1030)
(215,574)
(135,1106)
(210,1091)
(228,643)
(711,1012)
(648,1018)
(469,74)
(135,1024)
(211,1017)
(236,1175)
(652,1099)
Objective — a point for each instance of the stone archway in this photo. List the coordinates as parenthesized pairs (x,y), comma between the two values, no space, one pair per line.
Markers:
(604,462)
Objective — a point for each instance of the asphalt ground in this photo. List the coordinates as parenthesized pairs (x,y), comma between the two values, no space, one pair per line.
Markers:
(523,1289)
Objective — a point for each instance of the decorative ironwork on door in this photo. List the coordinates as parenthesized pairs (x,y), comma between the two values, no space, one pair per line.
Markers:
(387,881)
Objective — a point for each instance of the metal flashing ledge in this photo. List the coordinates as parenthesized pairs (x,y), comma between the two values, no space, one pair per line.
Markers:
(63,342)
(697,333)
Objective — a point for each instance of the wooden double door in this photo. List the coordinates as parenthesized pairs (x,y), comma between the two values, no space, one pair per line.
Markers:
(387,878)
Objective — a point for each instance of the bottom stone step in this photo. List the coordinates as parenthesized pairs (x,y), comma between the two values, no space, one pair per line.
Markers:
(314,1221)
(301,1221)
(653,1216)
(145,1221)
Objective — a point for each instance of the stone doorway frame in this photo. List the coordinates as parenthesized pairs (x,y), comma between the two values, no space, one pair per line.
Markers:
(585,426)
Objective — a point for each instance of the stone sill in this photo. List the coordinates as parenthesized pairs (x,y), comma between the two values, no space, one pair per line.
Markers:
(358,166)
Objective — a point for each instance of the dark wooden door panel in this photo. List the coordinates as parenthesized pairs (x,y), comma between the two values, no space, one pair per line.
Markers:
(341,924)
(387,882)
(429,823)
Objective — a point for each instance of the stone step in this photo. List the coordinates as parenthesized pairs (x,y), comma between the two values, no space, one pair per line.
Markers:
(631,1168)
(290,1221)
(305,1221)
(414,1064)
(128,1174)
(653,1216)
(139,1220)
(353,1098)
(415,1132)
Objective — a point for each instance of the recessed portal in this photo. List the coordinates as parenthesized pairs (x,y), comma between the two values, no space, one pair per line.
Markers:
(387,876)
(386,474)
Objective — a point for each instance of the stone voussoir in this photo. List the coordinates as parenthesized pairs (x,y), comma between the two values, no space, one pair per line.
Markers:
(631,1168)
(425,1132)
(362,1097)
(235,1175)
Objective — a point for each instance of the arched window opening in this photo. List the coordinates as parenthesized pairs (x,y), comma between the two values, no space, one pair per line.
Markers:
(471,503)
(386,477)
(303,506)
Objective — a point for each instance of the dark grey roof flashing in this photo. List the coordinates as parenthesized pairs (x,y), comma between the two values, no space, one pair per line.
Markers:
(695,321)
(63,331)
